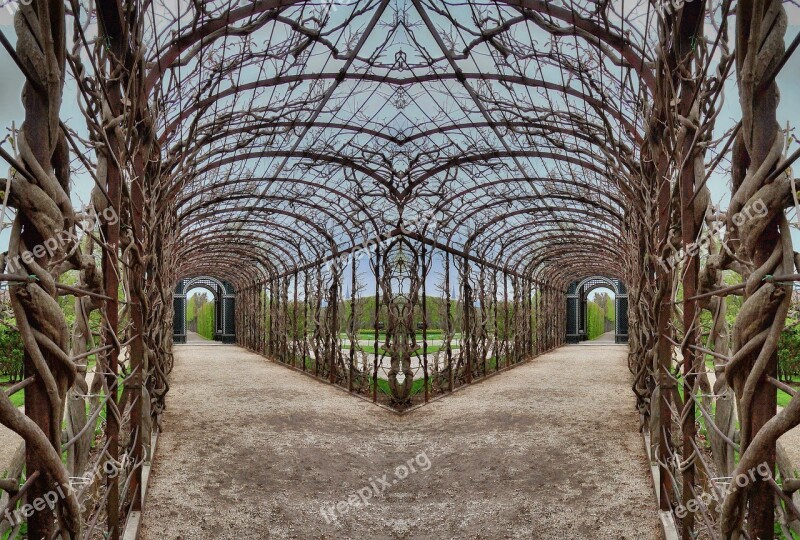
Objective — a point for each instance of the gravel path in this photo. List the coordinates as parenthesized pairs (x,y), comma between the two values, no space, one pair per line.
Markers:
(253,450)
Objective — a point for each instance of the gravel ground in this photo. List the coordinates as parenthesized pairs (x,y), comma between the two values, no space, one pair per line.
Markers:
(12,447)
(253,450)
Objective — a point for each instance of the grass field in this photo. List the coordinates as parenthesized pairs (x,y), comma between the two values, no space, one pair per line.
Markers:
(371,348)
(17,399)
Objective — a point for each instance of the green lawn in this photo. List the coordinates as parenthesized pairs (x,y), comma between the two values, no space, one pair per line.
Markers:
(23,532)
(431,334)
(18,399)
(371,348)
(780,536)
(783,401)
(783,398)
(383,386)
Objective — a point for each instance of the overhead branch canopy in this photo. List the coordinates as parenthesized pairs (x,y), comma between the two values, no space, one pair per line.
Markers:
(294,131)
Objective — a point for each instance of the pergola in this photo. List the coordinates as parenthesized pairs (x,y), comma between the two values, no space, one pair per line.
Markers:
(457,161)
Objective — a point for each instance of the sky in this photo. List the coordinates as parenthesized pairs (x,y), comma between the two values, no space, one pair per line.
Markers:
(601,290)
(200,291)
(11,113)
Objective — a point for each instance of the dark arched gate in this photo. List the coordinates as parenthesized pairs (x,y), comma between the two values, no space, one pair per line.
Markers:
(224,305)
(577,297)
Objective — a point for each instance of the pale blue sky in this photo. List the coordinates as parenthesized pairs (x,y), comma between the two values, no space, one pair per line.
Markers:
(11,112)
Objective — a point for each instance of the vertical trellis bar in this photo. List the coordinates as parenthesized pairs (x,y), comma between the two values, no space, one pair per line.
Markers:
(263,317)
(424,270)
(110,266)
(285,320)
(506,327)
(377,321)
(466,334)
(495,326)
(294,322)
(448,322)
(333,323)
(353,336)
(306,285)
(690,26)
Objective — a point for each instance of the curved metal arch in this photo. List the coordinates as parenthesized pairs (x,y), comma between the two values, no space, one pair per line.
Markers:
(567,214)
(533,197)
(520,211)
(562,277)
(173,125)
(580,256)
(586,255)
(188,286)
(245,251)
(404,140)
(464,159)
(248,252)
(520,246)
(237,253)
(163,60)
(301,154)
(247,196)
(260,228)
(235,277)
(544,231)
(228,249)
(265,236)
(426,174)
(543,227)
(635,58)
(604,279)
(294,181)
(323,232)
(259,233)
(519,180)
(538,255)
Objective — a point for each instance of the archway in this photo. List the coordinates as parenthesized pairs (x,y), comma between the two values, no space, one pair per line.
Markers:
(224,306)
(600,314)
(577,306)
(201,313)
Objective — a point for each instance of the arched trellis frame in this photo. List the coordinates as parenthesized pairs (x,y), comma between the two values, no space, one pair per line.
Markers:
(515,186)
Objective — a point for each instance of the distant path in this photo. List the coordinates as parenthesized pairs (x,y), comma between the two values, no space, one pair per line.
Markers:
(603,339)
(193,338)
(253,450)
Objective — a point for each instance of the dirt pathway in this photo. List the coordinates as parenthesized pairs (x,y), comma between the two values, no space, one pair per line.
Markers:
(253,450)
